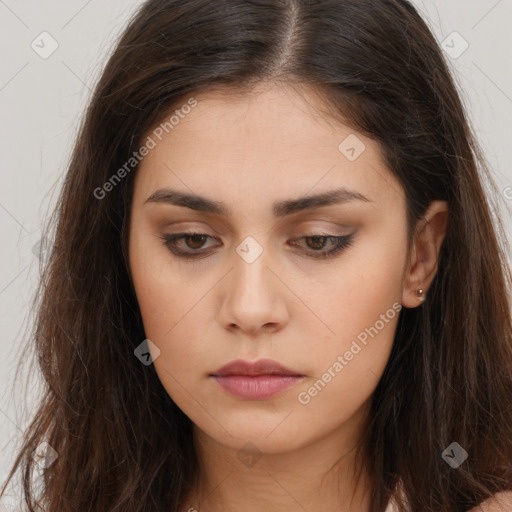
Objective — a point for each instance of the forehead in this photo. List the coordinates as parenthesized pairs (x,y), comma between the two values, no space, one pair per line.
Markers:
(263,143)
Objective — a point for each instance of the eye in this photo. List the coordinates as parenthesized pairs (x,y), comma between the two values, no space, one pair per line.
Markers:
(317,244)
(195,241)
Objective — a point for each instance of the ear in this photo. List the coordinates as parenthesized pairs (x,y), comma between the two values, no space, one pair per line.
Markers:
(424,252)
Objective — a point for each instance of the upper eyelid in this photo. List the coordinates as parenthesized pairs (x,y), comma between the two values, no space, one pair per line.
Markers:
(183,234)
(333,225)
(308,233)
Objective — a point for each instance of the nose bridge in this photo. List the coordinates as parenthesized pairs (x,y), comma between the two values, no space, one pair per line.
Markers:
(251,279)
(252,298)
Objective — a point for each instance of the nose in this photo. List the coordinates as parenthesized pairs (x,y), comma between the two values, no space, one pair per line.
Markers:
(253,298)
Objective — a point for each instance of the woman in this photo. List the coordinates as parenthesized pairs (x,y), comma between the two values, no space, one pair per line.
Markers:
(276,283)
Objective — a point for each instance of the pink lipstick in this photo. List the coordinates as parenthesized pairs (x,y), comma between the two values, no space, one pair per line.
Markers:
(255,380)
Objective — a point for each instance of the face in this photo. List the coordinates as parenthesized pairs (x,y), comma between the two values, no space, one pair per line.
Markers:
(232,259)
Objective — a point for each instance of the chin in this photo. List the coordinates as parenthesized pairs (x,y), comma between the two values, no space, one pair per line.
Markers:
(252,433)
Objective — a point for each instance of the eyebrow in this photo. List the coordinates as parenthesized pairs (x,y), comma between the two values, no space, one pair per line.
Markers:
(279,208)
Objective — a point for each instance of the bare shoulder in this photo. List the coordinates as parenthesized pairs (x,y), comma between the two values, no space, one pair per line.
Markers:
(500,502)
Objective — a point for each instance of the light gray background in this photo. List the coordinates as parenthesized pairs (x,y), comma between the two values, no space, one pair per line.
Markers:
(41,101)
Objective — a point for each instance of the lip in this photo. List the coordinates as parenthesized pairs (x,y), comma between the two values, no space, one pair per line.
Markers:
(255,380)
(254,368)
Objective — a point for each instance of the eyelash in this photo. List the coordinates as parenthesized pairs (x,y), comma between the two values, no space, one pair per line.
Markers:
(340,243)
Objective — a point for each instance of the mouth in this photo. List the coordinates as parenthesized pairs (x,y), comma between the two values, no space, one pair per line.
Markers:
(256,380)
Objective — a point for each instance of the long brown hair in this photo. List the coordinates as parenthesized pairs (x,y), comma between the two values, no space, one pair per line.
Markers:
(122,443)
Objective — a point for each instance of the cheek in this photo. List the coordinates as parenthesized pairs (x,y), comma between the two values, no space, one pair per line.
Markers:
(350,364)
(166,311)
(359,307)
(163,294)
(172,310)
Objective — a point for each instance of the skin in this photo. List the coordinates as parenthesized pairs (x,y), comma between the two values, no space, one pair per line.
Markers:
(304,312)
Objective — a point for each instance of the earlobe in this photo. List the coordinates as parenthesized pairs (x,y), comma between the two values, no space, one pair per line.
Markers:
(424,253)
(419,295)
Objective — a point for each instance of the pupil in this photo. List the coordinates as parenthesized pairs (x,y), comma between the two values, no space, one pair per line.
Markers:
(196,239)
(318,241)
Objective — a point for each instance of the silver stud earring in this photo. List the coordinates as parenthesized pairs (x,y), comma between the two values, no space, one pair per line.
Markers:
(419,295)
